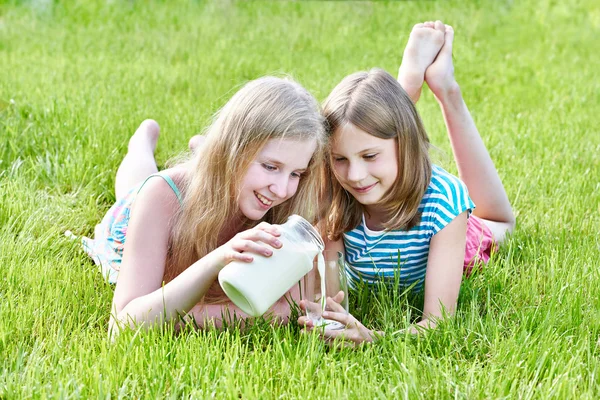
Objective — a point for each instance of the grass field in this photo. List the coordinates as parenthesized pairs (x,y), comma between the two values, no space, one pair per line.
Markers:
(76,78)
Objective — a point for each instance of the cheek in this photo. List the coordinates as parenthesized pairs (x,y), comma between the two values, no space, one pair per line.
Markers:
(338,170)
(253,179)
(293,187)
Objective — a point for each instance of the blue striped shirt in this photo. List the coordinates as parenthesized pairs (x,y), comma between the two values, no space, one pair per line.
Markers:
(400,256)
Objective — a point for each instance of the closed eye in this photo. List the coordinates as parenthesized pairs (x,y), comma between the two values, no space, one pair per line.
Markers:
(297,175)
(339,159)
(370,156)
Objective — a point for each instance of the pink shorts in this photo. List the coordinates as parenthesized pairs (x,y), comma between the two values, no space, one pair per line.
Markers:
(480,244)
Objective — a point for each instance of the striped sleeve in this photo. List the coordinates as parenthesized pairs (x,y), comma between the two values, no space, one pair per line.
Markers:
(448,199)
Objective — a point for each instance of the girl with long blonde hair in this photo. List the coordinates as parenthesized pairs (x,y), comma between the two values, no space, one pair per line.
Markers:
(170,233)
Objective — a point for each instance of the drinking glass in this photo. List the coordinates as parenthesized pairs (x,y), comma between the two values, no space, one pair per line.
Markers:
(334,281)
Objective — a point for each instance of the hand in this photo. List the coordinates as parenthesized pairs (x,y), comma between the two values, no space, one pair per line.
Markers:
(261,239)
(354,332)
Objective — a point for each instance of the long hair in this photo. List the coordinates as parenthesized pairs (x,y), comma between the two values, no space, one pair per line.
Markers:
(264,109)
(375,102)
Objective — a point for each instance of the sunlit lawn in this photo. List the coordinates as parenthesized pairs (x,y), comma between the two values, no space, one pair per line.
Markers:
(76,80)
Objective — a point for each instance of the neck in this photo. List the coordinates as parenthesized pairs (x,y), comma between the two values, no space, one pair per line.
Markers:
(375,217)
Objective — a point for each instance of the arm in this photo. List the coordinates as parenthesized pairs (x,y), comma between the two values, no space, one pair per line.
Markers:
(140,296)
(444,271)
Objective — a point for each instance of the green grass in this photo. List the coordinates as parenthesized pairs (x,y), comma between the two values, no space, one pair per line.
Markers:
(77,77)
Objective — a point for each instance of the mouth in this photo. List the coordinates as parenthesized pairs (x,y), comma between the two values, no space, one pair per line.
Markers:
(364,189)
(263,201)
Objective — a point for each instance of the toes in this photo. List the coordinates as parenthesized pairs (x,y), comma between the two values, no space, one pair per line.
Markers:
(146,134)
(448,37)
(419,25)
(151,126)
(429,24)
(439,25)
(195,142)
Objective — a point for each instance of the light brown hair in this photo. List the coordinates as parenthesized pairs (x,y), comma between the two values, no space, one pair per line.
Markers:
(375,102)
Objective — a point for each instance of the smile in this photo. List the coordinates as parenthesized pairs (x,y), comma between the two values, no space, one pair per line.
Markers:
(364,189)
(265,201)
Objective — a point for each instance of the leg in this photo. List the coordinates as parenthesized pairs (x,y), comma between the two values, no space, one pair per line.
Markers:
(139,162)
(475,166)
(423,45)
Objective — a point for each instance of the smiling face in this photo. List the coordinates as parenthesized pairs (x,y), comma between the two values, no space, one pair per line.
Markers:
(274,175)
(366,166)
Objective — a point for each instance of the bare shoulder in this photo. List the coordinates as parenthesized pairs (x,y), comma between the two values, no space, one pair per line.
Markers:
(158,192)
(147,244)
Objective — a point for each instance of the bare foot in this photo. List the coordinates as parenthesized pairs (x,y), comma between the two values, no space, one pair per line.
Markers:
(423,46)
(196,142)
(145,137)
(440,75)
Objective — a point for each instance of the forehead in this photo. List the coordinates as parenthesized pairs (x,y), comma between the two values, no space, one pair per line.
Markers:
(350,139)
(293,153)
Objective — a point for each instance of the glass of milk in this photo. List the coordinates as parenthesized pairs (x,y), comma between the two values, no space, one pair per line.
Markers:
(326,280)
(254,287)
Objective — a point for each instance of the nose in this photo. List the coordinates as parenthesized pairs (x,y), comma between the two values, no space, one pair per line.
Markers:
(356,172)
(279,187)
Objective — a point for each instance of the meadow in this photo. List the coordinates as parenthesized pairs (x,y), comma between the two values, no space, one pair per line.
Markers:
(77,78)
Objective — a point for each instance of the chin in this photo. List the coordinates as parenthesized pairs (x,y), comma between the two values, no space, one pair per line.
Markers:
(253,215)
(369,201)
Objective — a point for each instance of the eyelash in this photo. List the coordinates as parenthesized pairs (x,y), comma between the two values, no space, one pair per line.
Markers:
(269,167)
(368,157)
(272,168)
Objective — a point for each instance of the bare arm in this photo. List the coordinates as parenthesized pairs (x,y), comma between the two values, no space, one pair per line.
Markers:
(140,298)
(444,270)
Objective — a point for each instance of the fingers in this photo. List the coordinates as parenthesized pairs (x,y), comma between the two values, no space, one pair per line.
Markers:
(261,235)
(251,247)
(255,241)
(341,317)
(339,297)
(305,322)
(309,306)
(243,257)
(272,229)
(335,305)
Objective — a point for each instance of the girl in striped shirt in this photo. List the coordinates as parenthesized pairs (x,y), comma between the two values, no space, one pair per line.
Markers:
(393,211)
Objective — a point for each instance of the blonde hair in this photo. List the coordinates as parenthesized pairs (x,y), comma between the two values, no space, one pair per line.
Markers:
(375,102)
(264,109)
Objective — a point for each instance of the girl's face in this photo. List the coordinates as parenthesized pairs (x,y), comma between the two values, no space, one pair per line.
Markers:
(365,165)
(274,175)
